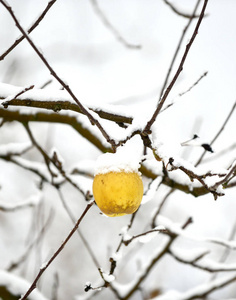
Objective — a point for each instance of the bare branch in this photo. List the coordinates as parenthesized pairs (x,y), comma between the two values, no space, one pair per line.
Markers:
(108,24)
(180,13)
(54,161)
(147,128)
(187,91)
(72,218)
(13,265)
(195,83)
(206,265)
(153,262)
(48,263)
(178,49)
(36,23)
(219,132)
(72,121)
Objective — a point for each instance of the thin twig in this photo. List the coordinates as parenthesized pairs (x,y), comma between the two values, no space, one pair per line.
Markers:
(47,264)
(187,91)
(70,214)
(13,265)
(153,225)
(208,268)
(193,85)
(24,90)
(180,13)
(92,120)
(147,128)
(72,121)
(36,23)
(153,262)
(108,24)
(231,174)
(178,49)
(226,250)
(218,133)
(161,230)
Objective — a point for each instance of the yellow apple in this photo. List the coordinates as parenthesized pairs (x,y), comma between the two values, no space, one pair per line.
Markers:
(118,193)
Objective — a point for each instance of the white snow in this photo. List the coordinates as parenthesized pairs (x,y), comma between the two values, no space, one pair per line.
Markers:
(35,94)
(108,277)
(146,238)
(33,200)
(18,286)
(14,148)
(126,159)
(199,291)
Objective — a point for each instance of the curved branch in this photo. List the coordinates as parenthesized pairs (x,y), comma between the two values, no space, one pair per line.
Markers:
(59,105)
(10,116)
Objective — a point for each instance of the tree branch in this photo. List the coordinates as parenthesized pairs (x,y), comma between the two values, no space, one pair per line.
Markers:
(108,24)
(147,128)
(218,133)
(10,116)
(47,264)
(180,13)
(57,106)
(92,120)
(22,37)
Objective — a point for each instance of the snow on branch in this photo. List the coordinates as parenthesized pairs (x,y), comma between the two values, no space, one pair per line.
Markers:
(30,202)
(73,121)
(14,286)
(57,100)
(199,292)
(14,148)
(199,261)
(90,117)
(177,230)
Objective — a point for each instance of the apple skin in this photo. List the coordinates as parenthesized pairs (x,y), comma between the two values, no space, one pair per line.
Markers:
(118,193)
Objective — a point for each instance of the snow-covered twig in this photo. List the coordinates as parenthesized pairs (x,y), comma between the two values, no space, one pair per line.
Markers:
(91,118)
(147,233)
(58,100)
(199,292)
(143,274)
(231,174)
(72,121)
(49,161)
(21,92)
(176,230)
(205,265)
(30,202)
